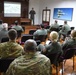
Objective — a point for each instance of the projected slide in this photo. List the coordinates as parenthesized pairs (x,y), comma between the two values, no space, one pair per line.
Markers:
(12,9)
(63,13)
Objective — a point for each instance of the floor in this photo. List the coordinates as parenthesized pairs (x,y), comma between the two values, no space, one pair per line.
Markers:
(68,68)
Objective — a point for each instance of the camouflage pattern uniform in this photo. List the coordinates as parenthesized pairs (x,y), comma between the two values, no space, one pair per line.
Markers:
(10,49)
(30,64)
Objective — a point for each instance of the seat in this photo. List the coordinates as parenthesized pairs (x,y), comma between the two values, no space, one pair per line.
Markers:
(72,28)
(42,38)
(54,29)
(26,37)
(5,39)
(69,53)
(19,32)
(47,27)
(68,33)
(38,42)
(54,58)
(4,64)
(23,28)
(31,31)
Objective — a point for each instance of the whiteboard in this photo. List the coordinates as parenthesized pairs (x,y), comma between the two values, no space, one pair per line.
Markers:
(12,9)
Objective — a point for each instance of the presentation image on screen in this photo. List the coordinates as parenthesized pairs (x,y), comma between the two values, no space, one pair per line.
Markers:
(12,9)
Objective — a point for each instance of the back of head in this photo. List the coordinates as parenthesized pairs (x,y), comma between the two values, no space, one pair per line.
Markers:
(65,22)
(42,26)
(30,45)
(56,21)
(1,21)
(73,34)
(32,8)
(12,33)
(5,25)
(16,22)
(54,36)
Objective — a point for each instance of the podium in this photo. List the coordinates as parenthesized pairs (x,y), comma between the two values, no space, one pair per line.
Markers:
(25,21)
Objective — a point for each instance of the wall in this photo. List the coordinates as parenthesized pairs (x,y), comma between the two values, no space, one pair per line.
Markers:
(51,4)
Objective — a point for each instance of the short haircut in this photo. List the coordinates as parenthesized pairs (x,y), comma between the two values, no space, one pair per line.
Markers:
(65,22)
(42,26)
(30,45)
(56,21)
(16,22)
(54,36)
(73,34)
(12,33)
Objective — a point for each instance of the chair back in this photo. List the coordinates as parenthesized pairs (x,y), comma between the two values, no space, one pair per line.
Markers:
(47,27)
(4,64)
(68,33)
(26,37)
(5,39)
(32,31)
(42,38)
(19,32)
(55,29)
(54,58)
(72,28)
(69,53)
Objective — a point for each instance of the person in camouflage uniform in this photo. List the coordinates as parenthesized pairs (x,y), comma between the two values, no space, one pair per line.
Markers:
(31,63)
(10,48)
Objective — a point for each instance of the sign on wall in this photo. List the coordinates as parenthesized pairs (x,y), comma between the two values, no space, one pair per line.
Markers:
(63,13)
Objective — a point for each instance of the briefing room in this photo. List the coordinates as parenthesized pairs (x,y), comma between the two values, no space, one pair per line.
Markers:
(37,37)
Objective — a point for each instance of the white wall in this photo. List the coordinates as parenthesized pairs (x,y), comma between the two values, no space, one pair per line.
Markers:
(39,5)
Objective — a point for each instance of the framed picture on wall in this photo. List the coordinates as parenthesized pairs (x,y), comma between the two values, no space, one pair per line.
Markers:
(63,13)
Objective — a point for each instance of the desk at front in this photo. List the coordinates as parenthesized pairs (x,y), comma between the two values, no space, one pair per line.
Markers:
(25,21)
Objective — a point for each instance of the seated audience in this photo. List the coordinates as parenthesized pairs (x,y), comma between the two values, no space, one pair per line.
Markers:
(4,32)
(1,25)
(31,63)
(54,26)
(65,29)
(11,48)
(54,46)
(70,42)
(41,31)
(18,28)
(46,41)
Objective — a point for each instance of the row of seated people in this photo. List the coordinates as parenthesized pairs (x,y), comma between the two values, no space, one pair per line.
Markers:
(61,29)
(4,29)
(47,50)
(54,46)
(29,61)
